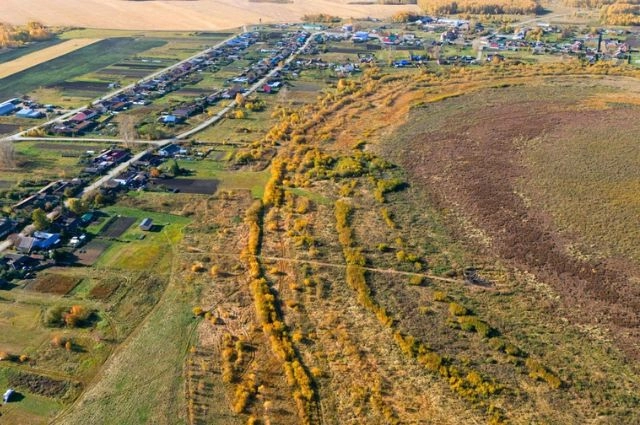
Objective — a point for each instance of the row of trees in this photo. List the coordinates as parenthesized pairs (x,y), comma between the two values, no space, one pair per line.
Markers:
(14,36)
(488,7)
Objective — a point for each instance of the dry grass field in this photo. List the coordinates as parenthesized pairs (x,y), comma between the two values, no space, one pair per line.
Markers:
(44,55)
(175,15)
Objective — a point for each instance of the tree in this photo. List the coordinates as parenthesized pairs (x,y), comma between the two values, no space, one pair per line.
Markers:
(240,99)
(127,129)
(175,169)
(40,219)
(77,206)
(7,154)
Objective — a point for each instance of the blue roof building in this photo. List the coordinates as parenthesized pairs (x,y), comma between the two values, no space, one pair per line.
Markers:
(44,240)
(7,108)
(29,113)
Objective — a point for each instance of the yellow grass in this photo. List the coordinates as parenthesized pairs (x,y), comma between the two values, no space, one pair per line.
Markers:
(44,55)
(179,15)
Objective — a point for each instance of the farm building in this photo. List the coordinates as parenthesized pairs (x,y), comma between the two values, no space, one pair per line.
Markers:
(6,108)
(6,397)
(29,113)
(146,224)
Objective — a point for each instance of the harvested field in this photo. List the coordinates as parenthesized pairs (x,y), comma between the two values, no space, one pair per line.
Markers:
(117,227)
(348,50)
(197,186)
(124,72)
(90,253)
(53,284)
(138,65)
(44,55)
(82,86)
(185,15)
(104,289)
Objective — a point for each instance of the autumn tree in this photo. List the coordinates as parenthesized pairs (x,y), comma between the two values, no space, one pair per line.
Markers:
(127,129)
(77,206)
(7,154)
(240,99)
(40,219)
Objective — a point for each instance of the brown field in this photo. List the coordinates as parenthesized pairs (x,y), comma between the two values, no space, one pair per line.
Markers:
(200,186)
(117,227)
(53,284)
(172,15)
(44,55)
(90,253)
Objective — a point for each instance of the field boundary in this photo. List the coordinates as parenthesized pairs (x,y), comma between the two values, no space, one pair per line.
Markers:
(36,58)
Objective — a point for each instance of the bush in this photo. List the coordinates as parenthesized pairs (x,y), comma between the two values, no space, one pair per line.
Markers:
(53,317)
(440,296)
(456,309)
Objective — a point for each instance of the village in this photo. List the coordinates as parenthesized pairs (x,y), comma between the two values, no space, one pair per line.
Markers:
(65,232)
(86,234)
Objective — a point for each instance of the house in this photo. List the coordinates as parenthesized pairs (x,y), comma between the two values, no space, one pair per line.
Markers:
(6,226)
(20,262)
(45,241)
(172,150)
(87,114)
(146,224)
(7,395)
(7,108)
(87,218)
(169,119)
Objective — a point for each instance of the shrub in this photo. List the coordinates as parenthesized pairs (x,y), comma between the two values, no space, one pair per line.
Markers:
(456,309)
(416,280)
(440,296)
(76,316)
(53,317)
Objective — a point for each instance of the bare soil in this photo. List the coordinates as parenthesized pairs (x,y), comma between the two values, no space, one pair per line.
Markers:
(53,284)
(89,254)
(117,227)
(196,186)
(38,384)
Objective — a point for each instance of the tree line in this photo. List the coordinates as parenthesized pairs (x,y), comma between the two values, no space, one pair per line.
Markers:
(15,36)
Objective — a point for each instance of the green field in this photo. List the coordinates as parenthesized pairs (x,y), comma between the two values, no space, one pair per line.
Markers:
(74,64)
